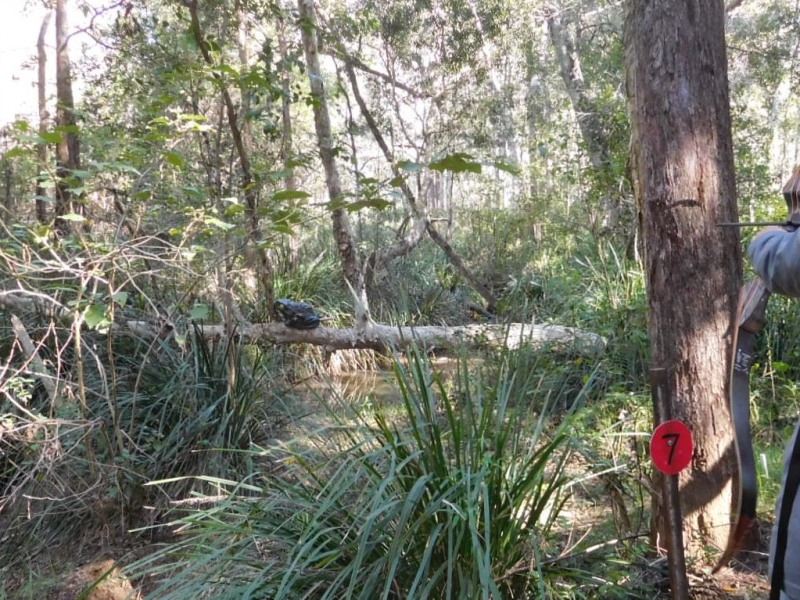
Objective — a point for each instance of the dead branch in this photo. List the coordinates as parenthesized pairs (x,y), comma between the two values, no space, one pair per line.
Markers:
(37,366)
(375,336)
(386,337)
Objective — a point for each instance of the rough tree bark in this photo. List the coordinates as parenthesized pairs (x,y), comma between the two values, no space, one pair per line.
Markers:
(68,157)
(684,182)
(44,120)
(345,241)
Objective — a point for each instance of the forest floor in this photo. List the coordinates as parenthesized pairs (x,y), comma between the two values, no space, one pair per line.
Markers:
(76,581)
(89,569)
(62,574)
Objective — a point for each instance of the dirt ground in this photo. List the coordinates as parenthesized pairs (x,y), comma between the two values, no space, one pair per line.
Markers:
(102,579)
(113,585)
(96,580)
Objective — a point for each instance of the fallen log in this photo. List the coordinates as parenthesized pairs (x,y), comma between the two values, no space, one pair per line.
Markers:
(386,337)
(374,336)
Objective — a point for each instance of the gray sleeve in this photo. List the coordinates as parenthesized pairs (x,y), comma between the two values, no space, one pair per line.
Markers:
(776,259)
(791,559)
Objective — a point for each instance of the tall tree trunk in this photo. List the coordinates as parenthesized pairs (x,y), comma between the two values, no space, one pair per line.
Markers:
(264,258)
(537,110)
(684,181)
(505,136)
(240,142)
(44,120)
(593,131)
(68,157)
(342,230)
(8,180)
(585,110)
(287,134)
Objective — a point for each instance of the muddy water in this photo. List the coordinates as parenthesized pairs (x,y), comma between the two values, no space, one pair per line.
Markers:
(380,385)
(349,394)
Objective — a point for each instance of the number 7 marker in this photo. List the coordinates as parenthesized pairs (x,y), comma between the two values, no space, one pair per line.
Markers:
(671,447)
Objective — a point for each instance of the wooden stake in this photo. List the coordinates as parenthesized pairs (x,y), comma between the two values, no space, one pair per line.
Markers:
(662,408)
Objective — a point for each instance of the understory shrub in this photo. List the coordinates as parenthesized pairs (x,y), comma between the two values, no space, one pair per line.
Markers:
(452,494)
(173,412)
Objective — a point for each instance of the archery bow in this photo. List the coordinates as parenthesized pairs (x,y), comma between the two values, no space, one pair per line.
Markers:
(750,318)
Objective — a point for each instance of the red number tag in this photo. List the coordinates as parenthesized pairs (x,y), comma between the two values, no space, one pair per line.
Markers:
(671,447)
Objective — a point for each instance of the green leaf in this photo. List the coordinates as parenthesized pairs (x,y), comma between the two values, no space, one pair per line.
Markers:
(376,203)
(51,137)
(228,70)
(68,129)
(95,316)
(74,217)
(200,312)
(457,163)
(115,166)
(175,159)
(120,298)
(41,233)
(283,227)
(193,117)
(215,222)
(407,165)
(233,210)
(289,215)
(14,152)
(290,195)
(338,203)
(507,167)
(192,191)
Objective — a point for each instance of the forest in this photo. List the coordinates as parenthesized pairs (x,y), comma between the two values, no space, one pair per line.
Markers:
(354,299)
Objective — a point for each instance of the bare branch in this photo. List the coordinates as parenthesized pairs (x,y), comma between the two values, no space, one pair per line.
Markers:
(361,66)
(733,5)
(417,212)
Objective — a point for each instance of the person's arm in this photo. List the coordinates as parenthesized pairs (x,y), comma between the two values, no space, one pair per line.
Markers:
(775,253)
